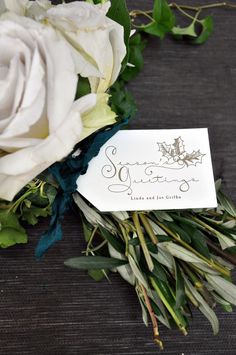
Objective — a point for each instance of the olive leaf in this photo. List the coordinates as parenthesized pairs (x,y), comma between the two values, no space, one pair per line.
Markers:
(222,302)
(144,310)
(204,307)
(226,203)
(180,288)
(125,270)
(164,257)
(91,215)
(94,262)
(137,272)
(223,287)
(186,255)
(112,240)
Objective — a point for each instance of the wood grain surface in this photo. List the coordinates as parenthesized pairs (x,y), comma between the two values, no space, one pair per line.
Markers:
(48,309)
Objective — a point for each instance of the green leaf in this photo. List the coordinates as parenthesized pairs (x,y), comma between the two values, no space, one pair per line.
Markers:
(51,193)
(122,101)
(223,287)
(36,199)
(94,262)
(137,272)
(164,19)
(83,87)
(198,239)
(10,236)
(136,47)
(165,293)
(159,271)
(185,31)
(163,238)
(9,219)
(144,310)
(207,29)
(180,231)
(124,270)
(204,307)
(32,214)
(180,291)
(231,250)
(163,216)
(11,232)
(87,229)
(113,240)
(97,275)
(119,13)
(186,255)
(221,301)
(199,243)
(227,204)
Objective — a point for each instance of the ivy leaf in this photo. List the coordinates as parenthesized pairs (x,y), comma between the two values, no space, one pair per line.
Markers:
(94,263)
(185,31)
(119,13)
(122,101)
(10,236)
(164,19)
(11,232)
(31,214)
(136,47)
(207,29)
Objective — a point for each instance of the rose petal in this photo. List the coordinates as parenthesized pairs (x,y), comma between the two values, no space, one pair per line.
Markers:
(18,168)
(61,77)
(17,6)
(78,15)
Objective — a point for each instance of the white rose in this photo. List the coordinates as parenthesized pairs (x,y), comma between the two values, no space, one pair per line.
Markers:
(16,6)
(98,38)
(39,121)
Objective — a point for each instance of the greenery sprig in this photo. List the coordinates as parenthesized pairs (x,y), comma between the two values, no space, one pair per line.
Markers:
(173,259)
(33,202)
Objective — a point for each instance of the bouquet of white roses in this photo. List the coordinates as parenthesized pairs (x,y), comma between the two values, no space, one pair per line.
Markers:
(63,71)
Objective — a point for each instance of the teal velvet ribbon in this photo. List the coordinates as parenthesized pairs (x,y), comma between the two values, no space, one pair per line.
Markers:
(66,173)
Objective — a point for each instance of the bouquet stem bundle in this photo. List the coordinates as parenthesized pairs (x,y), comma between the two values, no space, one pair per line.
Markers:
(174,260)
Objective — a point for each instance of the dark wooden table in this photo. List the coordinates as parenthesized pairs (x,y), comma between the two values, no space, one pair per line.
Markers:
(48,309)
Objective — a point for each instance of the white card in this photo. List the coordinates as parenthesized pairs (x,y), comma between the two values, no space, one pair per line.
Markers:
(151,170)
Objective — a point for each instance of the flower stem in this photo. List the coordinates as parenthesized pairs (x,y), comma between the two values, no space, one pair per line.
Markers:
(182,7)
(213,264)
(153,318)
(203,7)
(168,306)
(148,228)
(142,241)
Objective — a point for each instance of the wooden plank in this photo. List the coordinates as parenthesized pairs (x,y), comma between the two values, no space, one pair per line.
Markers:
(48,309)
